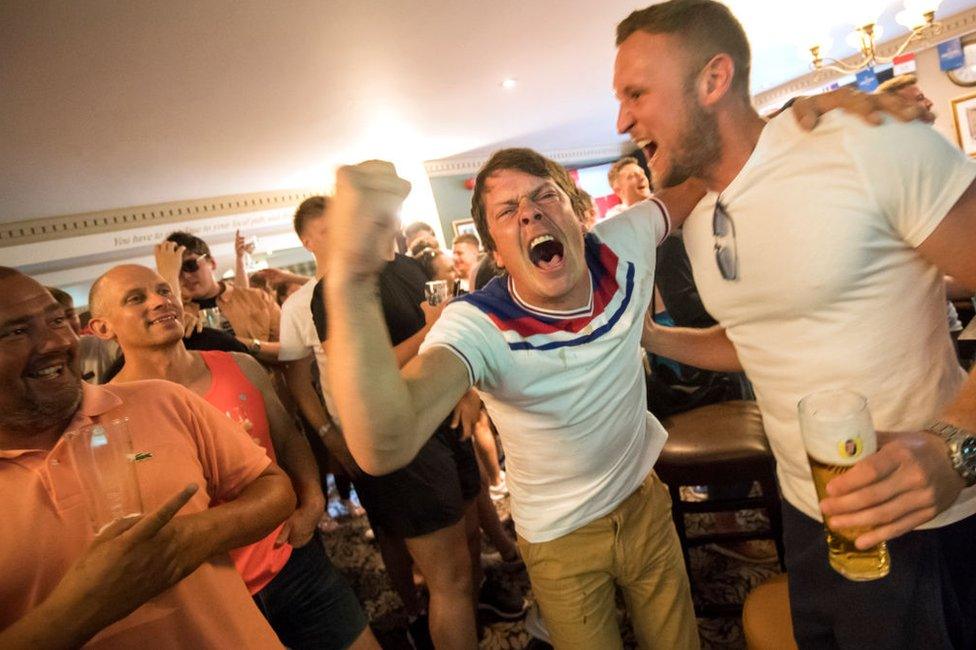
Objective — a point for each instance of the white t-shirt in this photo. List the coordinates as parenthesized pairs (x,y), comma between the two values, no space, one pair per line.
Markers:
(298,336)
(566,389)
(831,293)
(615,210)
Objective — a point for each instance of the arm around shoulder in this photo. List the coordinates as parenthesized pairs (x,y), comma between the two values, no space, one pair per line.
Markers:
(706,348)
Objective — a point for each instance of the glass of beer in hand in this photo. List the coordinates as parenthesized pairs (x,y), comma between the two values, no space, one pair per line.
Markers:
(837,433)
(436,292)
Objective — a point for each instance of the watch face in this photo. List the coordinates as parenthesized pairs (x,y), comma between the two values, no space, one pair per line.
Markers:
(964,76)
(968,451)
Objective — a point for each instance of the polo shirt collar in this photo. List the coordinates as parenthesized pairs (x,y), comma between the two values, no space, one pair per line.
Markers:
(96,400)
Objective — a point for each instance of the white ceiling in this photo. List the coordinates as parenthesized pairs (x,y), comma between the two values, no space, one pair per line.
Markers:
(109,104)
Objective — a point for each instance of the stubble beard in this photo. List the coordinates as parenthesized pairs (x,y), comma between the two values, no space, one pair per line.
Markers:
(699,145)
(41,412)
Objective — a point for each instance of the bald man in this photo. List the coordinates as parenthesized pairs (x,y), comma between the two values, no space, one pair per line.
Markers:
(157,577)
(305,599)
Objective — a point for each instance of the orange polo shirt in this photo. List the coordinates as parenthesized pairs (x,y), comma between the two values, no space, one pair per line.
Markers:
(45,526)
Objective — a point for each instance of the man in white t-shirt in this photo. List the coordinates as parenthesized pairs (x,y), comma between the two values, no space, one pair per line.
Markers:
(821,255)
(629,182)
(300,342)
(553,349)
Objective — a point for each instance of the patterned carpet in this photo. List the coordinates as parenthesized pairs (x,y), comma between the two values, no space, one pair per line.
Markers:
(715,577)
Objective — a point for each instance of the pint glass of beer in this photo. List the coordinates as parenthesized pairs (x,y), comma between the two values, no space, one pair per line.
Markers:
(837,433)
(105,466)
(436,292)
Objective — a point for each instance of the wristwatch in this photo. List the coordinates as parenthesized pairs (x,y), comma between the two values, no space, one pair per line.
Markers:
(962,449)
(255,347)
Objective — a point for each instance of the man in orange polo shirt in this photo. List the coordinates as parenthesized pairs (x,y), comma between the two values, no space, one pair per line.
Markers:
(305,599)
(165,579)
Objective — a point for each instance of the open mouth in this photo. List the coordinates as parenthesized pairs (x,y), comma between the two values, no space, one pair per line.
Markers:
(545,252)
(50,371)
(650,150)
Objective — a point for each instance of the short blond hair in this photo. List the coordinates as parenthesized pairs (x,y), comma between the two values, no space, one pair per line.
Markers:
(895,84)
(617,166)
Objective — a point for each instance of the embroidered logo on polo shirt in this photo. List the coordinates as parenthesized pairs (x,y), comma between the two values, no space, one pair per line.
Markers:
(141,455)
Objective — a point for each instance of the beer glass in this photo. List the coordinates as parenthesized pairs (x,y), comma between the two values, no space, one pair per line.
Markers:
(436,292)
(837,433)
(103,461)
(211,317)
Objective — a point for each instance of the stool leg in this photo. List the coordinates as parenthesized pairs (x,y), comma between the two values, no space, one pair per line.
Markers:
(775,513)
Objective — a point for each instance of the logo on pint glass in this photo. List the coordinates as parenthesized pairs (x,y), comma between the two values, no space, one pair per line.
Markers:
(850,448)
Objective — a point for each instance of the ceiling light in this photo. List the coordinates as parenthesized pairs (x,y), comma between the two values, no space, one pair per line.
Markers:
(509,83)
(918,16)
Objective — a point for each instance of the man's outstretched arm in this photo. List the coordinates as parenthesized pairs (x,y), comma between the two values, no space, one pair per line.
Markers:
(387,414)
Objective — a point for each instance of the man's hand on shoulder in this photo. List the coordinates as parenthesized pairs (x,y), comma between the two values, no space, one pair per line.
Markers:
(906,483)
(870,108)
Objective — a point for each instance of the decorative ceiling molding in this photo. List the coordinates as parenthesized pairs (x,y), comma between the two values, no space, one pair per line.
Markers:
(471,165)
(72,225)
(952,27)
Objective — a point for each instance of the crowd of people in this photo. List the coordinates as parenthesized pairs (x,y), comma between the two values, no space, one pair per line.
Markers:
(805,252)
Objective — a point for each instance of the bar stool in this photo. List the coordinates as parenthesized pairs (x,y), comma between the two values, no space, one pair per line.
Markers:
(766,620)
(720,444)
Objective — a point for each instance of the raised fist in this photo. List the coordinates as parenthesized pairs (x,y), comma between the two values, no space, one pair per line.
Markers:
(363,218)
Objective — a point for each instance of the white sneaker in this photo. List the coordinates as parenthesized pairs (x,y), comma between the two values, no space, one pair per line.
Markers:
(500,491)
(535,626)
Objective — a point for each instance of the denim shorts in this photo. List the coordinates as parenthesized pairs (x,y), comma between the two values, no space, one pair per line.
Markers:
(309,604)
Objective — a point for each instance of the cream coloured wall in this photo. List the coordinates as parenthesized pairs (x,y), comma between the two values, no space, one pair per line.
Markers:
(938,88)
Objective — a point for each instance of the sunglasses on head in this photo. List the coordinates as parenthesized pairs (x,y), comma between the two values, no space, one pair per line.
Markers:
(191,265)
(723,230)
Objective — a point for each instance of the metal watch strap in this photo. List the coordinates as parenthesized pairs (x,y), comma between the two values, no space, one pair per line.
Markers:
(255,346)
(962,449)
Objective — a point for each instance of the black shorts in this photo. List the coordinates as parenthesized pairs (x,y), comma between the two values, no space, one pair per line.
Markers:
(928,600)
(426,495)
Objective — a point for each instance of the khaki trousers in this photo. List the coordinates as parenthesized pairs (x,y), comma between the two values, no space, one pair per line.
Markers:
(634,547)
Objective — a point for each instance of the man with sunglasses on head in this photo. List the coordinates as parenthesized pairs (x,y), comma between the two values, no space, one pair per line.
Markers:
(250,315)
(821,254)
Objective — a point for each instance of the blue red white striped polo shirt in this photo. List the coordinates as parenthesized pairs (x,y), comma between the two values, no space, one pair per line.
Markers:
(566,389)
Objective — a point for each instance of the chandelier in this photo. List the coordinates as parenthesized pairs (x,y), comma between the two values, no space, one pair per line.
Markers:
(918,16)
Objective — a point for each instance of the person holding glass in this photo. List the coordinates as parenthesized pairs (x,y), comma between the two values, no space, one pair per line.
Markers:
(161,576)
(821,254)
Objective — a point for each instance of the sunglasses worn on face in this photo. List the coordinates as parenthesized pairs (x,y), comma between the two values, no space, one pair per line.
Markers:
(191,265)
(723,230)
